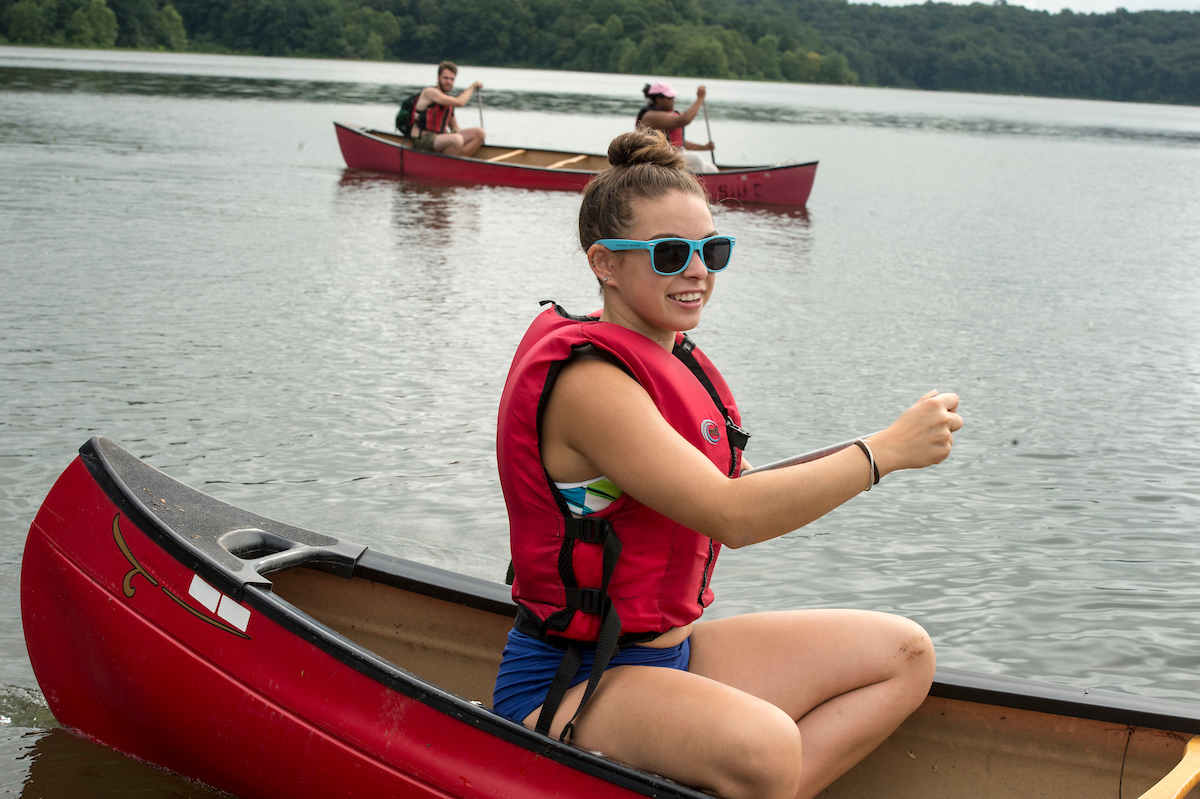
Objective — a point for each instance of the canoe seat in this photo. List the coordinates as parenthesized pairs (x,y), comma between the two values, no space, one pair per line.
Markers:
(567,161)
(509,154)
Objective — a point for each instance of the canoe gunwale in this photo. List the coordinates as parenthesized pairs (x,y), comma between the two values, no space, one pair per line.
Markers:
(1065,700)
(426,580)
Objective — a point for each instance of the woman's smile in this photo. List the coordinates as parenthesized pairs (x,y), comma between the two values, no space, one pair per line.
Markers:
(687,297)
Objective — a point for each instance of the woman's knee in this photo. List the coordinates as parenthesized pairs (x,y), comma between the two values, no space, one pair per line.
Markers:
(915,656)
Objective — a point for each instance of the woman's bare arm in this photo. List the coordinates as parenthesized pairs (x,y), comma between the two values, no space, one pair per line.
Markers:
(598,420)
(667,120)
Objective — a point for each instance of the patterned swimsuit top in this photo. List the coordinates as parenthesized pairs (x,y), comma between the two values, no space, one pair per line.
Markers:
(589,496)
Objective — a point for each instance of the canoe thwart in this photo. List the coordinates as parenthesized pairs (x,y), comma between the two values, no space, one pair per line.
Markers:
(503,156)
(567,161)
(1182,778)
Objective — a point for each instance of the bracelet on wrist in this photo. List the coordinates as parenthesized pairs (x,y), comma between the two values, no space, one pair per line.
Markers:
(873,477)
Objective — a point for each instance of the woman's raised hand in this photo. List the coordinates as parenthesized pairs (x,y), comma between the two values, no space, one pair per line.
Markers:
(921,437)
(700,92)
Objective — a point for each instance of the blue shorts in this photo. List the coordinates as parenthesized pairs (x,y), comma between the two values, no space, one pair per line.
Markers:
(529,665)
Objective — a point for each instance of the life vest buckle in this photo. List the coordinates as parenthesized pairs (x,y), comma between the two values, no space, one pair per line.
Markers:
(738,437)
(589,600)
(589,530)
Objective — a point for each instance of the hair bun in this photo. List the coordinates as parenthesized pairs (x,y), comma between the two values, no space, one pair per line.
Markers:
(644,146)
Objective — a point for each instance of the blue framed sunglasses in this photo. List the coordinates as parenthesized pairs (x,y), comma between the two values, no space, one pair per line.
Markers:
(672,256)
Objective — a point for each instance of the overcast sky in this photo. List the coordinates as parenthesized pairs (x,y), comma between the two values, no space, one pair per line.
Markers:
(1082,6)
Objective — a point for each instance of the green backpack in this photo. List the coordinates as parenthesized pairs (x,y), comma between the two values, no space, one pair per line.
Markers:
(404,118)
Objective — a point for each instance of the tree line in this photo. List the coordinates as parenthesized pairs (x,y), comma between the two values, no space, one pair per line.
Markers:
(1150,56)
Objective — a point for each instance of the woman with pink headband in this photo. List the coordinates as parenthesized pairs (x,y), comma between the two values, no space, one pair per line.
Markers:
(660,114)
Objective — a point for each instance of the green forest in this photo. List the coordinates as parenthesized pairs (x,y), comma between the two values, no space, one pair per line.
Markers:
(1148,56)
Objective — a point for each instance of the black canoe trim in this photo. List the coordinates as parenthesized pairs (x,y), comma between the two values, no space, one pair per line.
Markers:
(949,683)
(99,454)
(1066,700)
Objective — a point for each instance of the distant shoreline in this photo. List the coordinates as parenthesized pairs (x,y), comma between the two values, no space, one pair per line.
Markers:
(1001,49)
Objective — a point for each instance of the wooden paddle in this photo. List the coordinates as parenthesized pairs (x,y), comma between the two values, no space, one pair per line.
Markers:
(479,97)
(1182,778)
(704,105)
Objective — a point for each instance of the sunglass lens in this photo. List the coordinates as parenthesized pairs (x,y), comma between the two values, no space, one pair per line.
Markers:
(716,254)
(671,257)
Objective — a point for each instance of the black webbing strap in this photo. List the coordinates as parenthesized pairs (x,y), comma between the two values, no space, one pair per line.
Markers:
(589,600)
(572,660)
(610,629)
(738,438)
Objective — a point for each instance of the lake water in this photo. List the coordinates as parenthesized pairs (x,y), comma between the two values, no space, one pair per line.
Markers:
(187,267)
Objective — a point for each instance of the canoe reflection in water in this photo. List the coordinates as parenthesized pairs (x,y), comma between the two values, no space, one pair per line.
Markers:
(65,766)
(266,660)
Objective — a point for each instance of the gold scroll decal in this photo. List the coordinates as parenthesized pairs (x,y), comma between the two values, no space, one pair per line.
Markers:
(128,588)
(127,583)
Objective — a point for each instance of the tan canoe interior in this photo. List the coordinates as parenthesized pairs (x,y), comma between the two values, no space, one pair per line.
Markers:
(549,159)
(948,749)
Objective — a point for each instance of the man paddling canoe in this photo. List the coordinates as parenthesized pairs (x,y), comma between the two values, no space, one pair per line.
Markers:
(620,457)
(434,125)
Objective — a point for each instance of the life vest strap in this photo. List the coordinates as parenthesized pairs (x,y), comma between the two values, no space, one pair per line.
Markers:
(606,644)
(738,438)
(527,623)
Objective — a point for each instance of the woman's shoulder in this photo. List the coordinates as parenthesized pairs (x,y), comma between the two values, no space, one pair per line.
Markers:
(595,378)
(661,119)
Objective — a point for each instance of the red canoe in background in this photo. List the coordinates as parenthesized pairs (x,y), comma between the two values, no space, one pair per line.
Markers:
(378,151)
(269,661)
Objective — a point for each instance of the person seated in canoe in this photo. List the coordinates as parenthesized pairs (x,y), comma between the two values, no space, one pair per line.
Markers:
(660,114)
(620,458)
(434,125)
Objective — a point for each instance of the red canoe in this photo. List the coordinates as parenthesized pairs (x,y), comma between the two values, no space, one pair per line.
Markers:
(781,184)
(269,661)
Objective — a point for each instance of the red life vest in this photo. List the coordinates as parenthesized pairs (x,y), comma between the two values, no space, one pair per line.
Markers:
(674,135)
(661,576)
(434,119)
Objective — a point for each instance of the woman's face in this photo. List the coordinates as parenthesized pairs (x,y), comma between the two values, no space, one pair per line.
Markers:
(638,297)
(664,103)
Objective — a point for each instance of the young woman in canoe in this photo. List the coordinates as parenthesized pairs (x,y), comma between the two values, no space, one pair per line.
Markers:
(660,114)
(618,444)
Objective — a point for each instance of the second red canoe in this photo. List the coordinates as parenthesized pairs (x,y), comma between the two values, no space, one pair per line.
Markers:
(379,151)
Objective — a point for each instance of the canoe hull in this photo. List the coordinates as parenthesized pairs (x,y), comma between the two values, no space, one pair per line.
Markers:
(784,184)
(127,655)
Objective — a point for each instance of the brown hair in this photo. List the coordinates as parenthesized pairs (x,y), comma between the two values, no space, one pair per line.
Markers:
(450,65)
(643,165)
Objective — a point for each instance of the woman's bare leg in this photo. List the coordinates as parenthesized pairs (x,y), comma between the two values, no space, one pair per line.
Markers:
(840,681)
(848,677)
(689,728)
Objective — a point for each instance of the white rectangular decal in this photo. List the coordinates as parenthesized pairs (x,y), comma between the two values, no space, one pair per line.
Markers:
(205,594)
(233,613)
